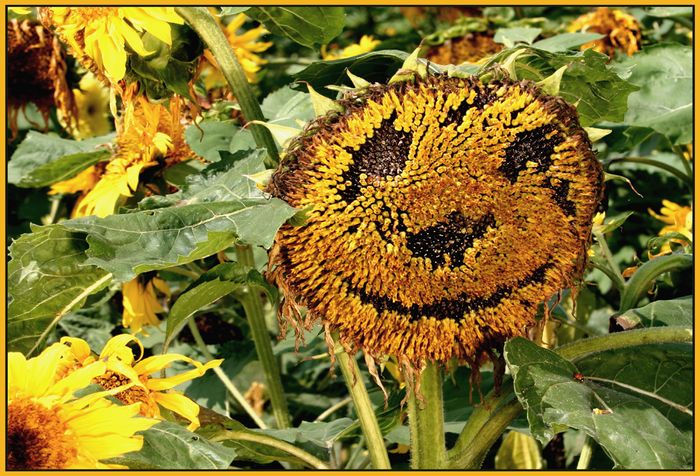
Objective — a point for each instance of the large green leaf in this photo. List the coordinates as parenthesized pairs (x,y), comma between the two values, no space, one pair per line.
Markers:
(170,446)
(48,276)
(633,432)
(511,36)
(209,288)
(664,102)
(376,66)
(209,137)
(43,159)
(674,312)
(565,41)
(308,26)
(215,211)
(286,106)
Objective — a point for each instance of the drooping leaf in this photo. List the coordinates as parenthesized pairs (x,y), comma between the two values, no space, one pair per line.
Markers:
(664,101)
(565,41)
(674,312)
(308,26)
(375,66)
(216,283)
(170,446)
(555,399)
(287,106)
(48,276)
(216,210)
(209,137)
(43,159)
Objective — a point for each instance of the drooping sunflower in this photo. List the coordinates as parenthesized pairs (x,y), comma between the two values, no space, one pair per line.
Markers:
(471,48)
(38,74)
(122,368)
(141,303)
(441,212)
(98,36)
(621,30)
(49,428)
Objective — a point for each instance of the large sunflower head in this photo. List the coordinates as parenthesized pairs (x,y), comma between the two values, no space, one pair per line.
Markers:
(38,73)
(441,212)
(49,428)
(621,30)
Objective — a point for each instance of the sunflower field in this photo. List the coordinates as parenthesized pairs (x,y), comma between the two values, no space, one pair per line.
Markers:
(349,238)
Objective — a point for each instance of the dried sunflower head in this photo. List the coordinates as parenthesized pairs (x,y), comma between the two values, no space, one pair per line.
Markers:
(471,48)
(621,30)
(38,73)
(441,212)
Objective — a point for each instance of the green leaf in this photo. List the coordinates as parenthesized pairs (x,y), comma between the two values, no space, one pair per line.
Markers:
(547,386)
(511,36)
(232,10)
(308,26)
(48,276)
(216,210)
(565,41)
(43,159)
(375,66)
(646,274)
(669,12)
(612,224)
(319,433)
(673,312)
(664,102)
(169,446)
(209,137)
(216,283)
(287,106)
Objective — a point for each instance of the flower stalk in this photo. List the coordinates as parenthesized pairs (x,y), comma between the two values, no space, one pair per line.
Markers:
(426,420)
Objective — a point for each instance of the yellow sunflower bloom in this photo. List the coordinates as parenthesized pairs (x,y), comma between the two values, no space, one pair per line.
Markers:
(678,219)
(141,303)
(149,392)
(366,44)
(92,100)
(148,134)
(49,428)
(98,36)
(621,30)
(245,45)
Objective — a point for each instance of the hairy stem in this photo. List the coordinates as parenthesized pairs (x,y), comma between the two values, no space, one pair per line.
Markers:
(426,420)
(263,345)
(209,30)
(363,408)
(230,386)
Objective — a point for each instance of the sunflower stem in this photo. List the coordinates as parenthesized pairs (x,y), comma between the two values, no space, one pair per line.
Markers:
(488,421)
(230,386)
(586,455)
(615,275)
(426,420)
(209,30)
(263,346)
(363,408)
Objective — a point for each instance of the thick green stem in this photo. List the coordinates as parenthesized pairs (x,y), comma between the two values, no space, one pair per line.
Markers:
(426,420)
(263,346)
(230,386)
(643,278)
(308,459)
(363,408)
(209,30)
(491,419)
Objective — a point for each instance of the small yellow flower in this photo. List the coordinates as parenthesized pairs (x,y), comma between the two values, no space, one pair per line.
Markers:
(98,36)
(141,303)
(49,428)
(92,100)
(148,392)
(621,30)
(678,219)
(367,43)
(245,45)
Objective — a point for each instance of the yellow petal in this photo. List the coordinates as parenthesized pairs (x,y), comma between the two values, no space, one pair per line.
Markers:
(78,347)
(181,405)
(131,37)
(113,56)
(156,384)
(78,379)
(117,346)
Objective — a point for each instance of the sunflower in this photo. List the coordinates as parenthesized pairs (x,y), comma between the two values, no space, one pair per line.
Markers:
(366,44)
(49,428)
(678,219)
(621,30)
(98,36)
(148,393)
(469,48)
(245,45)
(141,303)
(92,100)
(441,213)
(148,134)
(38,74)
